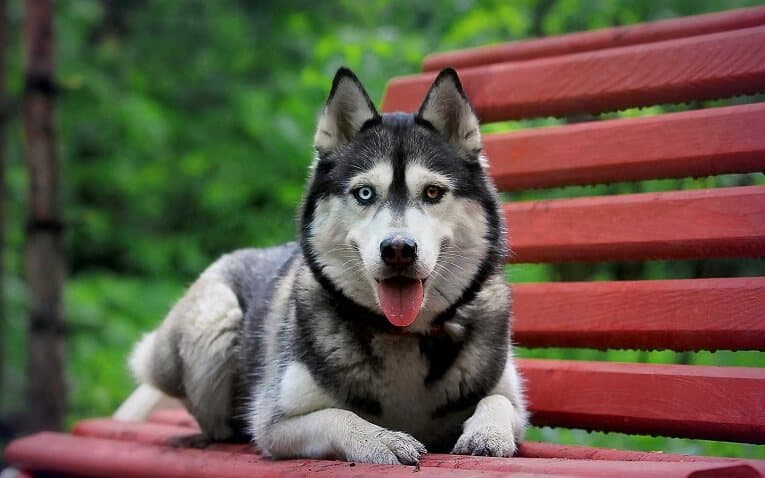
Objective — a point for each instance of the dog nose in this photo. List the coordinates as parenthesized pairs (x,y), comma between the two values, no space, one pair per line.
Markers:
(398,251)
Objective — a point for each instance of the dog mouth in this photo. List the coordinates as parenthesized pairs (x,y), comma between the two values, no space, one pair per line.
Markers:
(401,299)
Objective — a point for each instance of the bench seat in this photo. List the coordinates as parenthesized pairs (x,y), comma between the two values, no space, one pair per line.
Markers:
(107,447)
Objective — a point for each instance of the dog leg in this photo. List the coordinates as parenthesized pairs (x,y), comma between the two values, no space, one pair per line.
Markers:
(337,433)
(499,420)
(191,355)
(207,352)
(296,418)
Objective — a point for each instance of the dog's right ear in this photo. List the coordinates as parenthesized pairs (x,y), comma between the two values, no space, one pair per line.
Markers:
(448,110)
(347,109)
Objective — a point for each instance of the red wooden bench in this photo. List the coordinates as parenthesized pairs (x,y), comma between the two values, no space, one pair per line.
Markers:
(704,57)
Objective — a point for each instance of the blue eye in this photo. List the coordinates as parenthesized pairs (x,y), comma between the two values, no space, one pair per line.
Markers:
(365,195)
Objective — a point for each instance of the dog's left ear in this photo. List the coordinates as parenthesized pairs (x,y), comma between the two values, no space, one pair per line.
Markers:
(447,108)
(347,109)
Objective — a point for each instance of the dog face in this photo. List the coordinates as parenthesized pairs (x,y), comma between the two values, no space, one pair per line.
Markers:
(400,216)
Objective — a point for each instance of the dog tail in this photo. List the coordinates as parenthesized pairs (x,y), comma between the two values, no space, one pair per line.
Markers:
(146,398)
(140,359)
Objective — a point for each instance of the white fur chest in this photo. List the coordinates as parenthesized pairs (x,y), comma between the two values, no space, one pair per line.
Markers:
(407,402)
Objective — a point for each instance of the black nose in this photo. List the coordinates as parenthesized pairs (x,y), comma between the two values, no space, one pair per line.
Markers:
(398,251)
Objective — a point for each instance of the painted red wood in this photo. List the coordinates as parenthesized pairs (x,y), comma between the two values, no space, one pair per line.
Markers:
(694,143)
(597,39)
(161,434)
(616,461)
(98,457)
(149,433)
(152,433)
(85,456)
(717,403)
(574,452)
(174,416)
(702,67)
(592,468)
(726,222)
(691,314)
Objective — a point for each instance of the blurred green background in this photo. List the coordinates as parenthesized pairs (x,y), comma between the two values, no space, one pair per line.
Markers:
(185,131)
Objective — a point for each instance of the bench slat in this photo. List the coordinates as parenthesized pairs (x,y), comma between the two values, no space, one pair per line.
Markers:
(694,143)
(160,434)
(177,417)
(87,456)
(725,222)
(575,464)
(703,67)
(598,39)
(717,403)
(690,314)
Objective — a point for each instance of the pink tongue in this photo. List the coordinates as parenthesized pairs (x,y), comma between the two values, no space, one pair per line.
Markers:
(400,300)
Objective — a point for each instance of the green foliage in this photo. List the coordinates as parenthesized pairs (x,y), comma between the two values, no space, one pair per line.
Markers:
(106,314)
(185,131)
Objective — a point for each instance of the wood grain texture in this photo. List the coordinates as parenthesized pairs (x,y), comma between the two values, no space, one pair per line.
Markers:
(725,222)
(694,143)
(716,403)
(87,456)
(598,39)
(674,71)
(178,417)
(530,449)
(571,466)
(149,433)
(691,314)
(161,434)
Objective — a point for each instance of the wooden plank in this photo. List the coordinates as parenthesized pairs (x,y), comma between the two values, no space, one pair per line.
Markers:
(574,452)
(150,433)
(554,466)
(694,143)
(592,468)
(717,403)
(598,39)
(160,434)
(674,71)
(86,456)
(174,416)
(726,222)
(691,314)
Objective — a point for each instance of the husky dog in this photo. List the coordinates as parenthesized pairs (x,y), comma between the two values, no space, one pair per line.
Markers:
(385,328)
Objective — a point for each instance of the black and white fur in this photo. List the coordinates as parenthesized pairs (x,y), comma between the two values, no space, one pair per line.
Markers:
(289,345)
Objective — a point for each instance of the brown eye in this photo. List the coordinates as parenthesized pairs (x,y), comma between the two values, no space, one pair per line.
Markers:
(433,193)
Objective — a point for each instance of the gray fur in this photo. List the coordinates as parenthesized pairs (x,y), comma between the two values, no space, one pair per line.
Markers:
(289,346)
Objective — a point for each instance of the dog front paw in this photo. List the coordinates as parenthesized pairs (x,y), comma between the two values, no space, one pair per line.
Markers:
(490,441)
(386,447)
(492,430)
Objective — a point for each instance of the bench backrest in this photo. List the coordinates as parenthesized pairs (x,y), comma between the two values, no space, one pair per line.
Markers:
(675,61)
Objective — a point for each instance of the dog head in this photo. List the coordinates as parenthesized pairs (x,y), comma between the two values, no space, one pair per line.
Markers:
(400,215)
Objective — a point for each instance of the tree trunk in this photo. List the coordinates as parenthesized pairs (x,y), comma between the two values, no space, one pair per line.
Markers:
(4,111)
(46,390)
(538,15)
